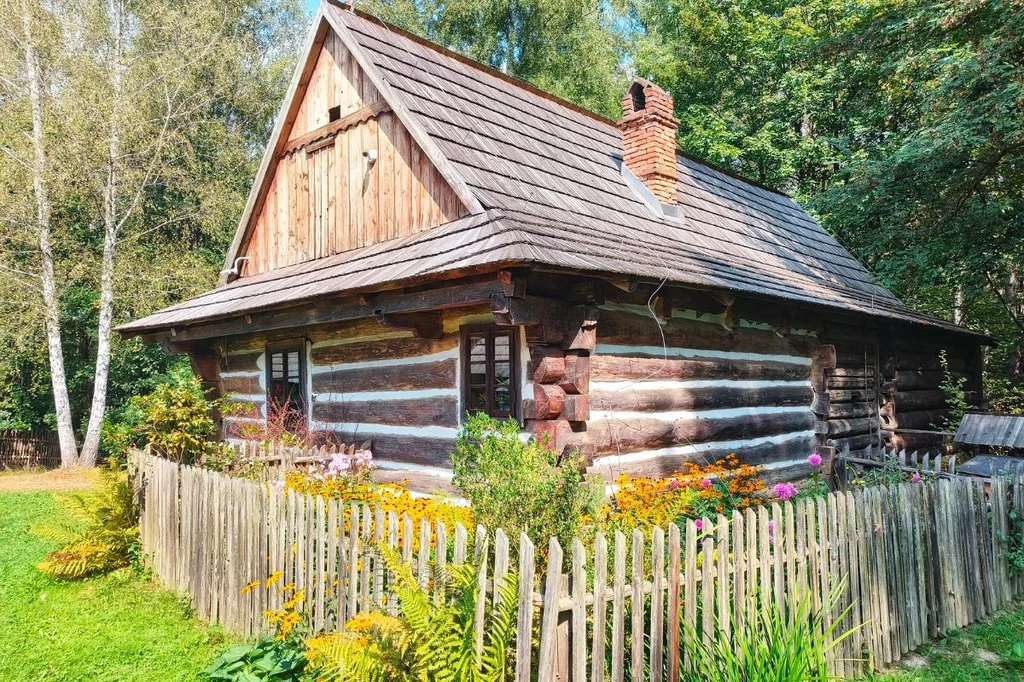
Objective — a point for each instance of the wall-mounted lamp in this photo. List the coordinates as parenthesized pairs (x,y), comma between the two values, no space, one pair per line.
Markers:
(371,156)
(233,270)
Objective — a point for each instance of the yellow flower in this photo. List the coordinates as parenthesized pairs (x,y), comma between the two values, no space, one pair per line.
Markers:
(250,587)
(274,578)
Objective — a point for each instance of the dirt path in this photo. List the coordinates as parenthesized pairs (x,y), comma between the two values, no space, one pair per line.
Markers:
(58,480)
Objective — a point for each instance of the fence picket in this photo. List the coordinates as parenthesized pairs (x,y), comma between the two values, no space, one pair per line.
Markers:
(579,611)
(549,614)
(524,619)
(618,608)
(657,603)
(636,609)
(600,607)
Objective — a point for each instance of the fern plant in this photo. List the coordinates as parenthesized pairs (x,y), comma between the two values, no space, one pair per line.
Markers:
(433,640)
(100,532)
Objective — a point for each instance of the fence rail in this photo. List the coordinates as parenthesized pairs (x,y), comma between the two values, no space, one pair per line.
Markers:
(29,449)
(911,561)
(276,459)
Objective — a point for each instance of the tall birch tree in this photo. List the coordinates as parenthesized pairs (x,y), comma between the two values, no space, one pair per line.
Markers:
(114,113)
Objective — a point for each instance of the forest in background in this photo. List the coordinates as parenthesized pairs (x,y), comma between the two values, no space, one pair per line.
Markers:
(898,123)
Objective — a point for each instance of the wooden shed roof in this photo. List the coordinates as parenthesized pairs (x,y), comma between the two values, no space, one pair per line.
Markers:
(1000,430)
(547,182)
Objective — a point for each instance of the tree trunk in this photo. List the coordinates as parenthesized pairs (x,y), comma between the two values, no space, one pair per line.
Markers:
(91,446)
(51,305)
(1013,360)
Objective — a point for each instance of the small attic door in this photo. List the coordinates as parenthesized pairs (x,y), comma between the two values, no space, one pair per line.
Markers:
(346,174)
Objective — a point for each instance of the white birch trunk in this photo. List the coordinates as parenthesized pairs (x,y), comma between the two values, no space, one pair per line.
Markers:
(51,305)
(91,446)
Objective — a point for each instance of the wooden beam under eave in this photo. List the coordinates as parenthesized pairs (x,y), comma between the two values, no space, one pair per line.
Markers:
(548,320)
(341,310)
(425,325)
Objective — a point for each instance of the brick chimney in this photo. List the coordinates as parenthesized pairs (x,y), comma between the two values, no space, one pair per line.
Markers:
(649,138)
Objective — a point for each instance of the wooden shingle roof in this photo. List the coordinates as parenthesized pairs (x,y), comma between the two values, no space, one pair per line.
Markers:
(547,176)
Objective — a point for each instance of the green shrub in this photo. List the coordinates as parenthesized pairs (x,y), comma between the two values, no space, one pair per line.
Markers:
(175,420)
(121,430)
(954,388)
(1014,541)
(521,486)
(775,643)
(432,641)
(101,533)
(267,660)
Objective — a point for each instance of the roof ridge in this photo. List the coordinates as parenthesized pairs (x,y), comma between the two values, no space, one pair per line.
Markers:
(529,87)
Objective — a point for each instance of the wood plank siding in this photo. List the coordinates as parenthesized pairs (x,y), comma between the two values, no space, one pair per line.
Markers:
(327,195)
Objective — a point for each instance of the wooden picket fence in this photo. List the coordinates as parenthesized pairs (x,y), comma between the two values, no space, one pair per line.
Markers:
(277,459)
(937,464)
(912,561)
(29,450)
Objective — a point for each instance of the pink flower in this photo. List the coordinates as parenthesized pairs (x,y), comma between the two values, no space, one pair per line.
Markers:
(916,477)
(771,526)
(675,484)
(705,483)
(699,524)
(784,491)
(814,460)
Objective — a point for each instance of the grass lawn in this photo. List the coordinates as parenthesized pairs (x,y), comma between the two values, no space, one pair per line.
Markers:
(979,653)
(117,628)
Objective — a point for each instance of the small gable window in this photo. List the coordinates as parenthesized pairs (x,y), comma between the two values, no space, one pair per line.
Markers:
(489,371)
(286,382)
(333,114)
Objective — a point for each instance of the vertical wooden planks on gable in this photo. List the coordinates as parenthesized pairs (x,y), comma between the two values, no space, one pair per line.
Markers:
(387,176)
(370,185)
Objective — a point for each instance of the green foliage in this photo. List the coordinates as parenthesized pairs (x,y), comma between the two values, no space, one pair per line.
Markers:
(101,533)
(185,190)
(1014,541)
(956,395)
(521,486)
(433,641)
(175,420)
(775,643)
(1003,396)
(267,660)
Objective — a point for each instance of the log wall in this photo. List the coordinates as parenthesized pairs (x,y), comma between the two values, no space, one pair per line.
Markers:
(368,382)
(326,197)
(911,396)
(630,390)
(710,390)
(853,387)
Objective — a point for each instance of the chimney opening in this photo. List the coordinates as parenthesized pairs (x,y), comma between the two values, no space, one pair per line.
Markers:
(636,93)
(334,113)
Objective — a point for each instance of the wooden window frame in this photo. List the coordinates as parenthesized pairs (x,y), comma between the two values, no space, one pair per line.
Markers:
(288,346)
(491,331)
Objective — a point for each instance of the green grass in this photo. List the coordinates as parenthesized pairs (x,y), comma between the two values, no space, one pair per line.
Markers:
(957,657)
(117,628)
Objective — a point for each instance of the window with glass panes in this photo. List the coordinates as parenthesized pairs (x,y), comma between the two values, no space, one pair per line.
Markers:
(489,371)
(286,377)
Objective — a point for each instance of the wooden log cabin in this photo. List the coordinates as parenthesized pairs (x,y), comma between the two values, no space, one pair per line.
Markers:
(428,237)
